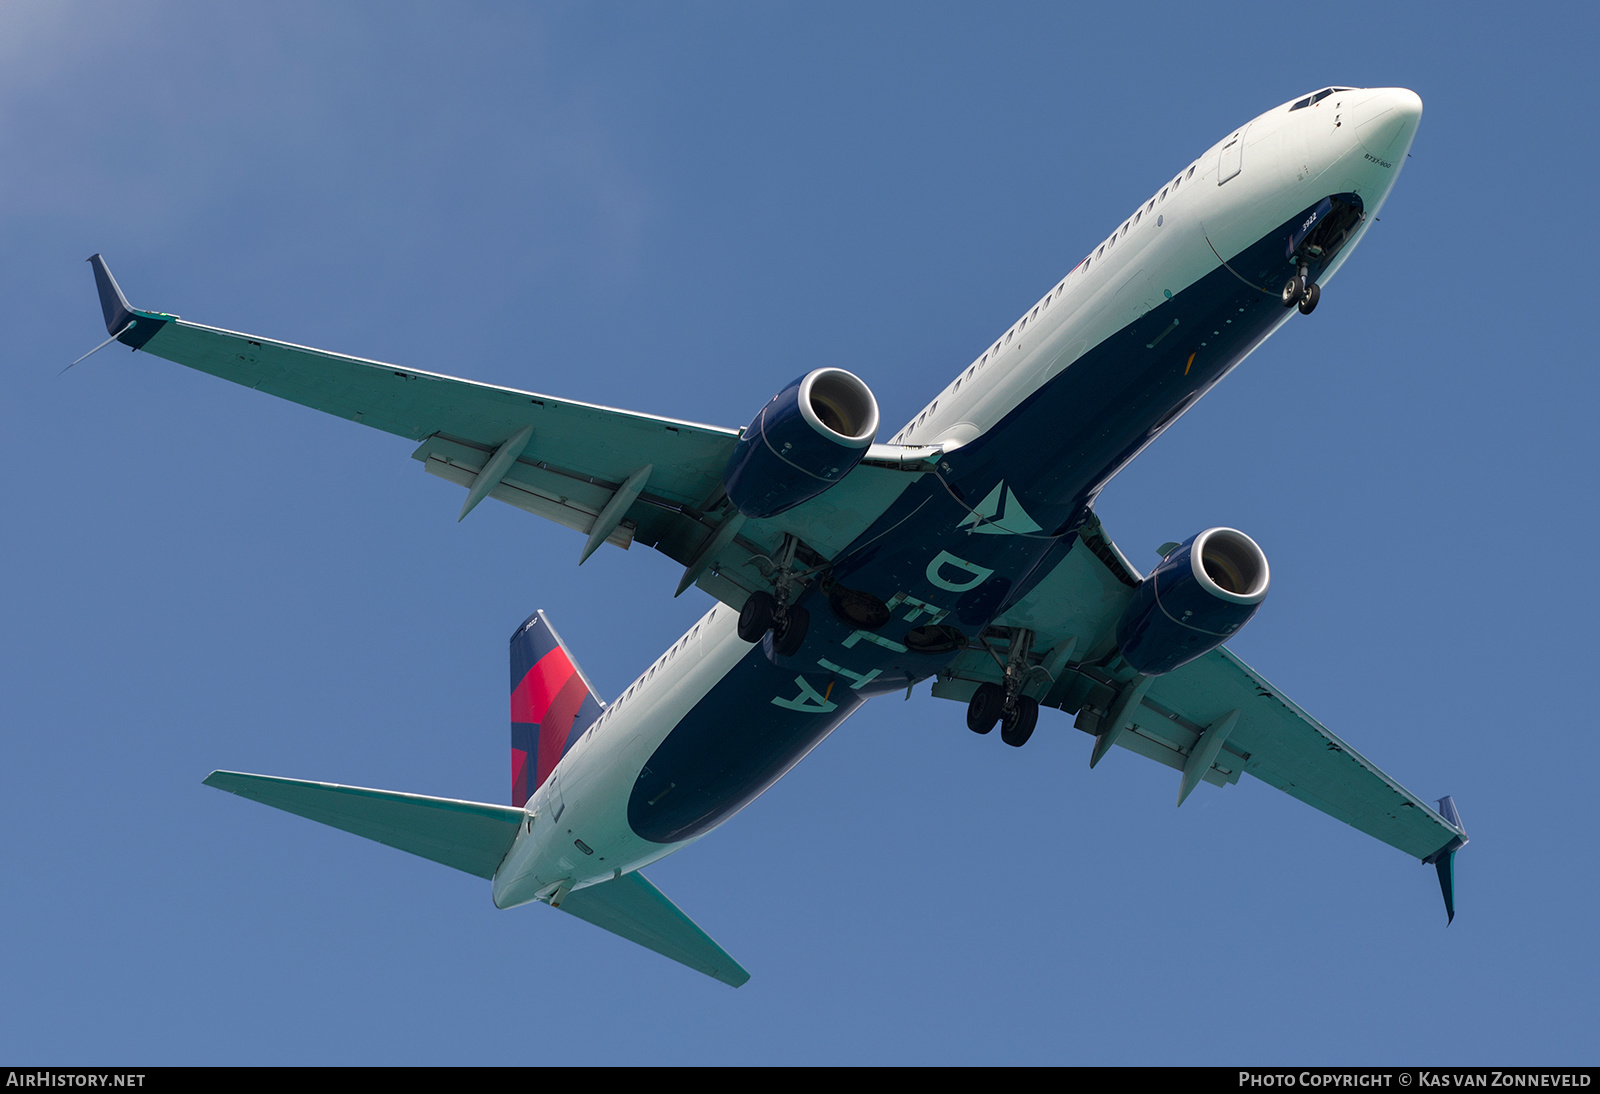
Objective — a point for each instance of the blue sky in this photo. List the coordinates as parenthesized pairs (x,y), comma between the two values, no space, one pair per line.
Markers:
(678,209)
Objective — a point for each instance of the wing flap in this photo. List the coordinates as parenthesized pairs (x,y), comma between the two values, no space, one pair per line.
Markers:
(469,836)
(567,499)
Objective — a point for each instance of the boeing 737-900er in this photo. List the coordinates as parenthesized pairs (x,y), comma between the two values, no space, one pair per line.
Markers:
(965,550)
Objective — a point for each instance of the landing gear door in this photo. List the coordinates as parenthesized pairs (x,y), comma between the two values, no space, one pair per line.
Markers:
(1232,158)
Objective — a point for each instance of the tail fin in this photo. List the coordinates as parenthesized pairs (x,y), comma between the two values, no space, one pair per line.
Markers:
(552,703)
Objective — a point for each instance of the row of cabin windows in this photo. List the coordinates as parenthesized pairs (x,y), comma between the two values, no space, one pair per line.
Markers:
(669,655)
(1055,293)
(1138,215)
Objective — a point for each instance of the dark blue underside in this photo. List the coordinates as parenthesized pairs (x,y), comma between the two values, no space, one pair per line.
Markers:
(1053,453)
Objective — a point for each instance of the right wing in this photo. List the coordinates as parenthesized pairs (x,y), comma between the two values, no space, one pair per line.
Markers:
(1211,719)
(617,476)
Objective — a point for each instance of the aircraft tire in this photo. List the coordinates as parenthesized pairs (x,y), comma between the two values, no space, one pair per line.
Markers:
(1017,725)
(786,641)
(755,618)
(1294,290)
(1308,302)
(985,708)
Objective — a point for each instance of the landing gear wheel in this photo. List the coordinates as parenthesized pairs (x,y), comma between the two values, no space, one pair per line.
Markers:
(1017,725)
(1294,290)
(755,618)
(790,633)
(985,708)
(1308,302)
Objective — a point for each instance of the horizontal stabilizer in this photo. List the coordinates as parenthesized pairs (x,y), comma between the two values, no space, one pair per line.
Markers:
(635,909)
(470,836)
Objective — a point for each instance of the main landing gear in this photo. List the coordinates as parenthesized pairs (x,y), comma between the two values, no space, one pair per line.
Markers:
(1004,703)
(1297,293)
(787,622)
(1016,718)
(764,611)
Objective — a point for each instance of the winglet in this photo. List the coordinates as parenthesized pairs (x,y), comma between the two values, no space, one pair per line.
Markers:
(118,312)
(121,315)
(1446,865)
(1444,859)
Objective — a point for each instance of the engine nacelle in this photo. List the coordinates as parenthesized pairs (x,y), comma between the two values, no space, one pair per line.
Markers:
(1205,589)
(807,438)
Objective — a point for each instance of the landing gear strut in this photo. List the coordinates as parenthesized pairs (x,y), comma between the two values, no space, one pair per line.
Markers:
(764,611)
(1004,703)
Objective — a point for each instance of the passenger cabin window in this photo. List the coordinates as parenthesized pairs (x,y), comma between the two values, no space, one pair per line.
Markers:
(1190,175)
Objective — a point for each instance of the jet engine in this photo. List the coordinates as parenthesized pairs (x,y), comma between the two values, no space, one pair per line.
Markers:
(807,438)
(1205,589)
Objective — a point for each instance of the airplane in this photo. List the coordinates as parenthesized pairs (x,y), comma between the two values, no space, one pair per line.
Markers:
(964,550)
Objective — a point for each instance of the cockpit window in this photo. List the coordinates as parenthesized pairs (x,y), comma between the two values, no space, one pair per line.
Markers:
(1317,98)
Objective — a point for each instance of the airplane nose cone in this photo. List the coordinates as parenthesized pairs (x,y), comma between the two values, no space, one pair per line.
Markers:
(1386,120)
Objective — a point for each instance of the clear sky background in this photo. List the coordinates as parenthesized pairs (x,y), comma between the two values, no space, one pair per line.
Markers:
(678,209)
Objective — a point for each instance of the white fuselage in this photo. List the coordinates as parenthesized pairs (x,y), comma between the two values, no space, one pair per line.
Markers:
(1262,174)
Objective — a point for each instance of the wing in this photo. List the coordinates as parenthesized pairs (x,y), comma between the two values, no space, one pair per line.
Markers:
(1211,719)
(618,477)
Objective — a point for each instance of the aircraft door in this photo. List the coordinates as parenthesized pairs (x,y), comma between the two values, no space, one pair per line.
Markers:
(553,800)
(1232,159)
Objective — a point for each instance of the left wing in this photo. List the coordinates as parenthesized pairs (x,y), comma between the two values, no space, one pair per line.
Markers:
(617,476)
(1211,719)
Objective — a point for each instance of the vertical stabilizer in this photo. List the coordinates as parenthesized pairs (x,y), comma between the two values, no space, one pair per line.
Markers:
(552,703)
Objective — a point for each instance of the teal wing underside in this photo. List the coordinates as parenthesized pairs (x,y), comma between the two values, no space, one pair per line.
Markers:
(1212,719)
(632,907)
(469,836)
(618,476)
(474,837)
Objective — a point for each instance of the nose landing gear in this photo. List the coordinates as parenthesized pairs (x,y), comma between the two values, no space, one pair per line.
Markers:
(1296,293)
